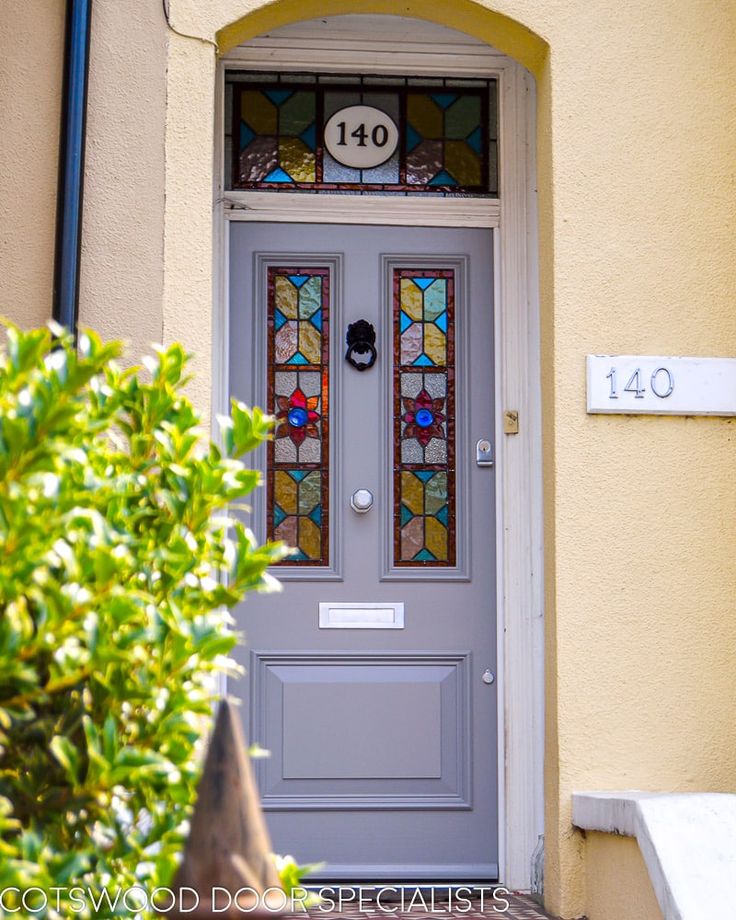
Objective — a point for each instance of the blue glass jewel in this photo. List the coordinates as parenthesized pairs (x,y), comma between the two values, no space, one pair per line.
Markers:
(424,418)
(297,417)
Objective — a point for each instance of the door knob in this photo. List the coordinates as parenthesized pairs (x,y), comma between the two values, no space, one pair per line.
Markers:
(361,500)
(488,676)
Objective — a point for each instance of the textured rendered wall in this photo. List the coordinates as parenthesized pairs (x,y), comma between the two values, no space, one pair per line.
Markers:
(122,275)
(638,220)
(617,881)
(31,66)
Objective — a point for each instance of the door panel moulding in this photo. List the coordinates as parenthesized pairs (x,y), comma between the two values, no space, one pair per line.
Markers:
(392,45)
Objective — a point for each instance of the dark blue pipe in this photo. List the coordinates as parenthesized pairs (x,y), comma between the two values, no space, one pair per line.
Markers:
(71,164)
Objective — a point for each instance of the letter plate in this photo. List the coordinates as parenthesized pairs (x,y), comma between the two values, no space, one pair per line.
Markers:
(361,616)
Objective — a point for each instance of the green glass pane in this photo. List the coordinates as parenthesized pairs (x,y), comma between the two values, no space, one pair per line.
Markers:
(462,117)
(297,113)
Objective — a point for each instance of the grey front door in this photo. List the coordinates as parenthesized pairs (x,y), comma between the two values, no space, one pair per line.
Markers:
(370,678)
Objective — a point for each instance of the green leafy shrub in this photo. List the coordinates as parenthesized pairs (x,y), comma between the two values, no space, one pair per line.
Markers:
(115,547)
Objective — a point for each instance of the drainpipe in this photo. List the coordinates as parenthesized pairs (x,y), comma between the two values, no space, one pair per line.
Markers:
(71,164)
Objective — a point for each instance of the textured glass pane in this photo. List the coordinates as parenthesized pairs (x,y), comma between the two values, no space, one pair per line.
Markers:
(297,78)
(242,76)
(386,102)
(338,78)
(336,172)
(424,435)
(379,81)
(335,101)
(386,174)
(298,386)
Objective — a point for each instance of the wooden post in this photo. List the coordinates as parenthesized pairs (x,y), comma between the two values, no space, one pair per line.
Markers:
(228,849)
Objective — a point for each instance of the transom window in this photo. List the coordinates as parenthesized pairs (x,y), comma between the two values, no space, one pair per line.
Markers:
(370,135)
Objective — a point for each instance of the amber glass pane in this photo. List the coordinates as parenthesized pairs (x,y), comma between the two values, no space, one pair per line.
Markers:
(424,410)
(298,387)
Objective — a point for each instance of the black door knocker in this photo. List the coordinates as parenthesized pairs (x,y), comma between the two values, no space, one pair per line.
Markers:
(361,339)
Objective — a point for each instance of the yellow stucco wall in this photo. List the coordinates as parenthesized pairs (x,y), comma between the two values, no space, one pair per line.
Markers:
(617,881)
(122,269)
(31,64)
(637,183)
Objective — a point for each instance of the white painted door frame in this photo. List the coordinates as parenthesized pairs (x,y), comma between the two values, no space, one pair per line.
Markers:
(369,45)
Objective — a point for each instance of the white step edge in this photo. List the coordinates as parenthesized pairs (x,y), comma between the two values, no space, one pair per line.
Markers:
(688,841)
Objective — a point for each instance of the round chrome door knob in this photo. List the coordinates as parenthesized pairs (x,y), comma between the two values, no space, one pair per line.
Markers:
(361,500)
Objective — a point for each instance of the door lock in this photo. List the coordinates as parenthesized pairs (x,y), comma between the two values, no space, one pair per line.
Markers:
(484,452)
(488,676)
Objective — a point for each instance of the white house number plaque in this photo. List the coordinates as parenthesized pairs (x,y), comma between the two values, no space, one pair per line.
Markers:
(361,136)
(650,385)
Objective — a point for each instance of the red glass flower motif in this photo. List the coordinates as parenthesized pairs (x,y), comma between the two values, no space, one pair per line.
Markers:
(424,418)
(296,417)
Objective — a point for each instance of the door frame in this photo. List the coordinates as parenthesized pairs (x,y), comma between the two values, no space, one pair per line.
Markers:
(513,220)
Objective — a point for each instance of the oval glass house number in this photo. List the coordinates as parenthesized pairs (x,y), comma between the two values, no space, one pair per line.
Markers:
(361,136)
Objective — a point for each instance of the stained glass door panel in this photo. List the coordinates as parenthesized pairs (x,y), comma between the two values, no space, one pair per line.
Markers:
(424,416)
(298,399)
(364,673)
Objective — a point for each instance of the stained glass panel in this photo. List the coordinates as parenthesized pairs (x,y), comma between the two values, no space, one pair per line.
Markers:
(298,398)
(424,412)
(276,136)
(447,134)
